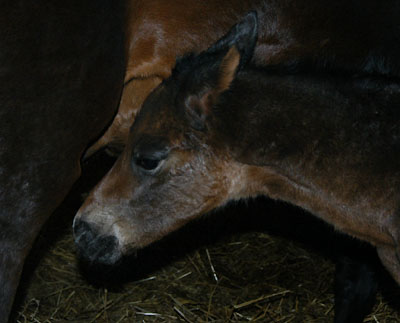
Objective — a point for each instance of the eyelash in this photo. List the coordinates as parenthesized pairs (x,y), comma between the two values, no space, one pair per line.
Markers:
(148,164)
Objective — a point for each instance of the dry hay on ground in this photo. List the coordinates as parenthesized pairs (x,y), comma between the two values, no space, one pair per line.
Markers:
(258,261)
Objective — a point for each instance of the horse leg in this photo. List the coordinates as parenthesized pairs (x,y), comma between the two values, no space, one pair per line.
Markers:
(16,240)
(390,259)
(11,264)
(355,288)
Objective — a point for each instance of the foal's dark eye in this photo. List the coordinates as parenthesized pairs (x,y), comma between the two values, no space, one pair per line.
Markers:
(149,154)
(147,163)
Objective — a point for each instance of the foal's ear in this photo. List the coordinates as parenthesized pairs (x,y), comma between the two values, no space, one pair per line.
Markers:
(220,76)
(243,36)
(238,47)
(223,60)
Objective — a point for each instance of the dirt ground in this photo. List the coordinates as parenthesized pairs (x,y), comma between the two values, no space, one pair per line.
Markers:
(258,260)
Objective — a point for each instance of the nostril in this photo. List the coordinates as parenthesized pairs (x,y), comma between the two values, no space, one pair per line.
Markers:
(94,246)
(82,230)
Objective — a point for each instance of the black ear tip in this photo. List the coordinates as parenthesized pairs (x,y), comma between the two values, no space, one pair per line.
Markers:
(247,35)
(251,18)
(244,34)
(250,22)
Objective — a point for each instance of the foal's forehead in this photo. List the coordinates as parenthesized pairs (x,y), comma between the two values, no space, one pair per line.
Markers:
(164,99)
(156,109)
(160,117)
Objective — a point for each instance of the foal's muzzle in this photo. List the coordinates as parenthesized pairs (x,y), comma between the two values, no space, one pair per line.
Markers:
(95,247)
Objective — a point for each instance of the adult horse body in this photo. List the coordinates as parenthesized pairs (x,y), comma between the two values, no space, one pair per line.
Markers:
(341,36)
(61,73)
